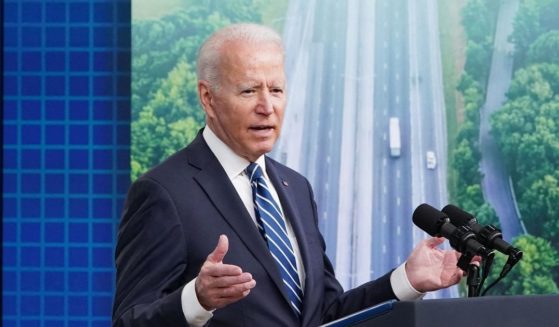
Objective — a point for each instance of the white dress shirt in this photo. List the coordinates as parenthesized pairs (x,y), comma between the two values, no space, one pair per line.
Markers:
(235,166)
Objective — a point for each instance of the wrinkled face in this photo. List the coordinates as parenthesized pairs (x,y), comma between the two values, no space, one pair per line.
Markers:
(246,110)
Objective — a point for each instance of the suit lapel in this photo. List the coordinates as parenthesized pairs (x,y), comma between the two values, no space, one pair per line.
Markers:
(221,192)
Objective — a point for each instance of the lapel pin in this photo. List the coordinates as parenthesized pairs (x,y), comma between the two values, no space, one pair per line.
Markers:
(285,183)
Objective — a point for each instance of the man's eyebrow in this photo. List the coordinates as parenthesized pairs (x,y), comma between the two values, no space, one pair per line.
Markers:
(248,85)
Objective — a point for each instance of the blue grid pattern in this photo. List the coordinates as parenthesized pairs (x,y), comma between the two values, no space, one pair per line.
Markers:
(66,149)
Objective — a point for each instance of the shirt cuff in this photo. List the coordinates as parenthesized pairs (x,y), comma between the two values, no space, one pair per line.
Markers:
(194,313)
(401,285)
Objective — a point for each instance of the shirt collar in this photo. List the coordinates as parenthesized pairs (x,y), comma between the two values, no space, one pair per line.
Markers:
(232,163)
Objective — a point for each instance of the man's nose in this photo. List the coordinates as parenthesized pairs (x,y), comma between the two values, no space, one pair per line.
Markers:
(265,104)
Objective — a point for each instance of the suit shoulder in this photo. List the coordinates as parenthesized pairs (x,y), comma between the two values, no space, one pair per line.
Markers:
(285,170)
(169,169)
(188,160)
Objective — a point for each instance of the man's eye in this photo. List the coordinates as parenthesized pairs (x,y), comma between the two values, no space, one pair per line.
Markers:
(247,91)
(277,90)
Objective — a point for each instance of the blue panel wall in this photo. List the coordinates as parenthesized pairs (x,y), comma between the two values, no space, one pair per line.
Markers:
(66,123)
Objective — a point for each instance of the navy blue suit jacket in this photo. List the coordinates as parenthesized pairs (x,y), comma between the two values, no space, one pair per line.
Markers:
(172,219)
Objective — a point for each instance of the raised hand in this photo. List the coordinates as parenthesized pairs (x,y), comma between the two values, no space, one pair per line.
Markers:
(219,284)
(430,268)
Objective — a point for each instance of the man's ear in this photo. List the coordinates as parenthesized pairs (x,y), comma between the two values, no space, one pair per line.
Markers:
(206,97)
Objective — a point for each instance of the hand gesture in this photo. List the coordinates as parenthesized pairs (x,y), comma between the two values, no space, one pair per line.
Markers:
(219,284)
(429,268)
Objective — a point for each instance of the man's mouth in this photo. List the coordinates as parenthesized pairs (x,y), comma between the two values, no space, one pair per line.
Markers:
(262,130)
(262,127)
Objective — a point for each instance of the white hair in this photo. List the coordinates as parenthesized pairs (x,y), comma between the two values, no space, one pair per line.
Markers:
(207,66)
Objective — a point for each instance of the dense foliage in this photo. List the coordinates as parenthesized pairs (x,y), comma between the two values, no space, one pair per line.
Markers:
(526,129)
(534,19)
(532,275)
(527,126)
(479,19)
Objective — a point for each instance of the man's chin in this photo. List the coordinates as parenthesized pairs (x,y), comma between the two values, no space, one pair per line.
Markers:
(261,150)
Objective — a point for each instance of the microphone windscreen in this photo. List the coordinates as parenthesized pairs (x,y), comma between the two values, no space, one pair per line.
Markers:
(429,219)
(458,217)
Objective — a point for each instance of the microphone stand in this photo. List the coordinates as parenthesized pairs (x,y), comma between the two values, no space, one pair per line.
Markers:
(487,264)
(474,280)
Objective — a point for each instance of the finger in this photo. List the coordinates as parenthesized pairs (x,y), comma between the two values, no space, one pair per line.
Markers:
(434,242)
(237,290)
(220,250)
(219,297)
(218,270)
(227,281)
(477,260)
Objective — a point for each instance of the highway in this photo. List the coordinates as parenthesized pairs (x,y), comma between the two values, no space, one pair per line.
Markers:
(352,65)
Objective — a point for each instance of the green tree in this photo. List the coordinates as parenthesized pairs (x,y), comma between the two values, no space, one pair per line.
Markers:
(478,60)
(540,82)
(533,18)
(486,215)
(158,45)
(533,274)
(509,126)
(526,129)
(466,154)
(156,139)
(472,198)
(479,19)
(466,163)
(539,202)
(157,132)
(527,126)
(527,27)
(545,48)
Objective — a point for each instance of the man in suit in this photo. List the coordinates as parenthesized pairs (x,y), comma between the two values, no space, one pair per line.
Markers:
(170,272)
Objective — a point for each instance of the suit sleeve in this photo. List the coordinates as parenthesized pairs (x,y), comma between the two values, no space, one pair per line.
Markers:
(150,260)
(359,298)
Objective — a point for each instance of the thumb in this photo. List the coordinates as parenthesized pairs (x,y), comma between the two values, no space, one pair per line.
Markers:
(220,250)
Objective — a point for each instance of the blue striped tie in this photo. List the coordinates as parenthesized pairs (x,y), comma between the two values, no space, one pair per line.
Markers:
(272,226)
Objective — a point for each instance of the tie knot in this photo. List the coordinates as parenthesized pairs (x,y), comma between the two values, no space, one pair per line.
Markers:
(254,172)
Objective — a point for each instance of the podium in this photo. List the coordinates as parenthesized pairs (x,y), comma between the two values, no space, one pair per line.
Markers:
(489,311)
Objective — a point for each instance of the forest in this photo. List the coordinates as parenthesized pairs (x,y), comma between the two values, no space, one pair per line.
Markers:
(526,130)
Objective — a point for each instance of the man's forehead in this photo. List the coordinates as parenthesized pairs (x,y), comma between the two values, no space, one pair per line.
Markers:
(252,59)
(234,47)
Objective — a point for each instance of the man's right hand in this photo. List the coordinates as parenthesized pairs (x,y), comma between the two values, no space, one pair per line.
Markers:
(219,284)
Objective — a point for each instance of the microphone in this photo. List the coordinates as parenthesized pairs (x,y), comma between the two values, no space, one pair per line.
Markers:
(489,235)
(437,223)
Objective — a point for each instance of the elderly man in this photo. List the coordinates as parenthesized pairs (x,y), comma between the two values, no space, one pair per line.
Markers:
(269,267)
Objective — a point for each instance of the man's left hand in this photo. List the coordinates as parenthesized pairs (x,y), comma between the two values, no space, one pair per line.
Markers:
(430,268)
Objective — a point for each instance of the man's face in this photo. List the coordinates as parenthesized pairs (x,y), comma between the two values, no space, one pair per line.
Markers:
(246,109)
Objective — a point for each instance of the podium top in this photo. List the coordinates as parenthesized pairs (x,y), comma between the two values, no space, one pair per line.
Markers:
(489,311)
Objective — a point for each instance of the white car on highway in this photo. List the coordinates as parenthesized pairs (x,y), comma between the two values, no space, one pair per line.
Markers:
(431,160)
